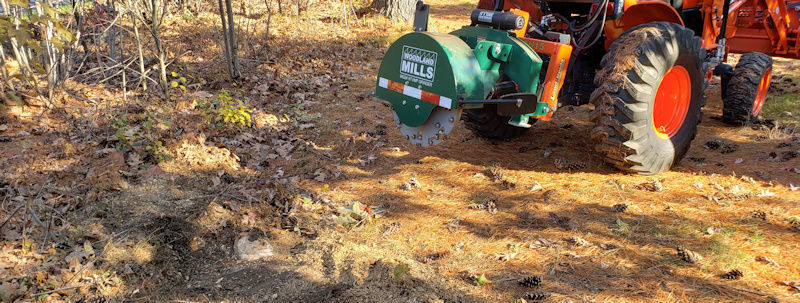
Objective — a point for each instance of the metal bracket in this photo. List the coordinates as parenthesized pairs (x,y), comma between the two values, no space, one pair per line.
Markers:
(421,16)
(517,102)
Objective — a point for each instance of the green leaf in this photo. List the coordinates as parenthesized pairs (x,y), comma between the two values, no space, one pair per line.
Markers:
(325,188)
(174,74)
(5,24)
(174,83)
(22,35)
(481,280)
(400,270)
(64,33)
(182,79)
(345,220)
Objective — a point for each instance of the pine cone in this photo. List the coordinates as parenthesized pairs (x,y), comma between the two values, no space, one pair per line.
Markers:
(688,255)
(732,275)
(619,208)
(576,166)
(411,184)
(563,164)
(657,186)
(559,220)
(530,281)
(488,206)
(494,173)
(549,195)
(536,295)
(578,241)
(654,186)
(759,214)
(430,258)
(560,163)
(491,207)
(508,185)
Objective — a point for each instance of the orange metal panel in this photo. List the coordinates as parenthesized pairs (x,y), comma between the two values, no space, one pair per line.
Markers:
(640,12)
(759,25)
(559,59)
(522,31)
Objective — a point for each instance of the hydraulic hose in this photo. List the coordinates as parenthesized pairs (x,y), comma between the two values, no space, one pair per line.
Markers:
(498,5)
(599,32)
(589,22)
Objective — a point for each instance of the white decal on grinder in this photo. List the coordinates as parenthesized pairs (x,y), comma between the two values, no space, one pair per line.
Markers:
(418,65)
(485,16)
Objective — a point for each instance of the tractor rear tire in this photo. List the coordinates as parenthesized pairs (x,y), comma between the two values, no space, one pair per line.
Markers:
(747,89)
(652,75)
(485,122)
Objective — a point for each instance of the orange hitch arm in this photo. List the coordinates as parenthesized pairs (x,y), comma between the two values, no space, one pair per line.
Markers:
(560,54)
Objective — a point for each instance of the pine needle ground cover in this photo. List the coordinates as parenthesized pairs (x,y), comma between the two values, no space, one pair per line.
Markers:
(112,198)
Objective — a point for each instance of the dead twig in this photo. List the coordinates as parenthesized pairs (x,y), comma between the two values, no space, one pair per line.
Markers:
(54,290)
(744,290)
(13,212)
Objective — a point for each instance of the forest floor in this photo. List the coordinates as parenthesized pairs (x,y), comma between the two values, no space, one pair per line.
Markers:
(322,200)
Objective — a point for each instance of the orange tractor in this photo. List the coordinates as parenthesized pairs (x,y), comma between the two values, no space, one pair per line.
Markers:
(643,64)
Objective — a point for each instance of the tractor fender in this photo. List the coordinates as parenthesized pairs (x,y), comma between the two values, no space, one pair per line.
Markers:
(640,12)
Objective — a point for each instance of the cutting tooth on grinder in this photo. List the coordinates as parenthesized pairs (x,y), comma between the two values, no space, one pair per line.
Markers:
(434,130)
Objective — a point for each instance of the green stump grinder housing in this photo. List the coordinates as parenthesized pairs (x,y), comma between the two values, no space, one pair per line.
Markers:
(430,77)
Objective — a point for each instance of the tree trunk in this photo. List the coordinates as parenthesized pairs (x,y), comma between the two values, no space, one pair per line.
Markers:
(229,38)
(232,40)
(395,9)
(228,61)
(142,73)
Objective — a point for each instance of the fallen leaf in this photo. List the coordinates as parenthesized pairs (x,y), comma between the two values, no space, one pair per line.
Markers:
(87,247)
(578,241)
(767,260)
(505,256)
(367,159)
(541,242)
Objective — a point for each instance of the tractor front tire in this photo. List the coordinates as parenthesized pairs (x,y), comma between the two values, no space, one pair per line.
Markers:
(485,122)
(747,89)
(649,97)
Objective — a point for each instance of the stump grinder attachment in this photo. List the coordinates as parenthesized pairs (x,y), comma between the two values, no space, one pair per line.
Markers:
(430,77)
(643,64)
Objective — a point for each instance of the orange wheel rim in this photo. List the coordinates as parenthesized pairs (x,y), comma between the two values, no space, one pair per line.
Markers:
(672,102)
(761,94)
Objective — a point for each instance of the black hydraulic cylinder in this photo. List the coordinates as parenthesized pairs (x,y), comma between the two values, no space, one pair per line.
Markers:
(725,11)
(498,20)
(504,88)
